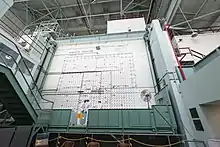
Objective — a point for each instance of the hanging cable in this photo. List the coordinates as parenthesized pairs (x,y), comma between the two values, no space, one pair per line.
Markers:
(74,139)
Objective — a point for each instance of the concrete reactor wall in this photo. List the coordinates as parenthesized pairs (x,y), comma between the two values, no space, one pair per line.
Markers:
(109,74)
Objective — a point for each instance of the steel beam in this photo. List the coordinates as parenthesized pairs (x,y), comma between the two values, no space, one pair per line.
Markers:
(61,11)
(41,17)
(87,17)
(33,9)
(47,9)
(173,7)
(128,5)
(185,19)
(140,4)
(27,14)
(199,17)
(200,8)
(150,11)
(161,4)
(137,4)
(121,8)
(83,28)
(104,14)
(75,5)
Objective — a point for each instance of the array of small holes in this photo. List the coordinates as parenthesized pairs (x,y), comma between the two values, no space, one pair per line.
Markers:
(114,74)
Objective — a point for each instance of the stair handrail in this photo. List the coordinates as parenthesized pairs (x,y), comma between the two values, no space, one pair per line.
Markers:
(22,58)
(21,74)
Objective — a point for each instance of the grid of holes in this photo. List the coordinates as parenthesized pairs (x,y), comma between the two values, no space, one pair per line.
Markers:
(113,73)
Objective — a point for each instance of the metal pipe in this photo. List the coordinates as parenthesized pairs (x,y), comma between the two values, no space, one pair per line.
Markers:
(154,70)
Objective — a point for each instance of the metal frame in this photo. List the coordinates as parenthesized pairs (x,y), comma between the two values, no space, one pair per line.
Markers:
(57,13)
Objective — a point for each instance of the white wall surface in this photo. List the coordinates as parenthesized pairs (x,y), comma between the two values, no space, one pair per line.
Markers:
(165,62)
(200,89)
(119,69)
(203,43)
(121,26)
(212,114)
(4,6)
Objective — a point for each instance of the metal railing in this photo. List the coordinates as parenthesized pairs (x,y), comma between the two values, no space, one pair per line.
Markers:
(26,79)
(31,91)
(191,52)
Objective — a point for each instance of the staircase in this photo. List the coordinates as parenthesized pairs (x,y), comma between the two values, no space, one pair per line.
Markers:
(20,95)
(14,99)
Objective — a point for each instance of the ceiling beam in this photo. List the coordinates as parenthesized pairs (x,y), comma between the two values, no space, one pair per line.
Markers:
(199,17)
(171,11)
(103,14)
(137,4)
(47,9)
(200,8)
(76,5)
(42,17)
(84,28)
(128,5)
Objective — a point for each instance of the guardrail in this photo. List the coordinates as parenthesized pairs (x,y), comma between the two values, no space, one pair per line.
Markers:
(33,93)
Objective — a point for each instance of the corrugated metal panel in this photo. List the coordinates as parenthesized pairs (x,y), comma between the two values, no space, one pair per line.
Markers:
(159,118)
(104,118)
(60,118)
(164,118)
(140,118)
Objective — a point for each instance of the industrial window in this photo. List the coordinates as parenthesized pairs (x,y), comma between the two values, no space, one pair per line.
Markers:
(198,125)
(196,120)
(194,113)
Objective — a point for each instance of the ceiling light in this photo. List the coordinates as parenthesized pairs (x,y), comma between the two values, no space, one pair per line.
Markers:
(8,57)
(194,34)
